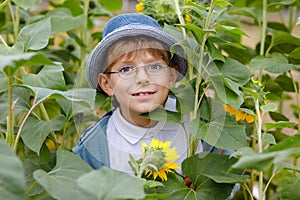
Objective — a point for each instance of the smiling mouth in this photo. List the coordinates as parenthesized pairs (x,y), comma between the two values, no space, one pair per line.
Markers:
(142,93)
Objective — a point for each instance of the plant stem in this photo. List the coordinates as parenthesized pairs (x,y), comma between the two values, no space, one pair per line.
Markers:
(3,41)
(297,99)
(179,15)
(268,183)
(249,191)
(15,16)
(3,4)
(260,146)
(30,188)
(46,117)
(84,29)
(10,118)
(291,21)
(263,33)
(22,125)
(83,32)
(199,76)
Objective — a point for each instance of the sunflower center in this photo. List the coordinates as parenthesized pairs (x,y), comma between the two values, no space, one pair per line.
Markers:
(155,157)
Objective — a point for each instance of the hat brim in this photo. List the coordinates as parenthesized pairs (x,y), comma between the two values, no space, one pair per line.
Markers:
(97,61)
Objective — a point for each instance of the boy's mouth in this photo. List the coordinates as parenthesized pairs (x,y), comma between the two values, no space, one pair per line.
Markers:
(142,93)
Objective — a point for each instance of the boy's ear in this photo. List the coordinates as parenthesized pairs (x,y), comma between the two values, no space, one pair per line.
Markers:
(104,83)
(174,74)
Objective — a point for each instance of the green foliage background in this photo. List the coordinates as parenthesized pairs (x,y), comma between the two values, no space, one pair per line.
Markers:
(45,102)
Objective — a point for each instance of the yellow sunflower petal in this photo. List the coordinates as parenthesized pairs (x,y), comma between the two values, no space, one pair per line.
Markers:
(139,7)
(165,144)
(187,18)
(240,115)
(162,174)
(154,143)
(229,109)
(173,165)
(249,119)
(155,174)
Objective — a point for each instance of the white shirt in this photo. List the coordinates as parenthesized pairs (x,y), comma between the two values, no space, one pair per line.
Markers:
(125,138)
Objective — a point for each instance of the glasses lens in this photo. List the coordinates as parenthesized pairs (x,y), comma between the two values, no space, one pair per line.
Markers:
(155,69)
(127,72)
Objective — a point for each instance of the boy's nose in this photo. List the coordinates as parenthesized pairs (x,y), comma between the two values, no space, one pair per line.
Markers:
(142,77)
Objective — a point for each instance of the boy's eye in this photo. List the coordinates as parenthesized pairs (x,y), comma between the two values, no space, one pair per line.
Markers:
(154,67)
(126,69)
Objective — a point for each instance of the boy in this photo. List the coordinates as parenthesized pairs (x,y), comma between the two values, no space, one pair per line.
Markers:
(133,64)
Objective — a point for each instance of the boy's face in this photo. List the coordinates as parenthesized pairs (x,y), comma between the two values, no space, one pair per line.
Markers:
(141,93)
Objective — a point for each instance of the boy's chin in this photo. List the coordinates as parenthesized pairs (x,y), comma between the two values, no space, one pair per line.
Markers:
(149,109)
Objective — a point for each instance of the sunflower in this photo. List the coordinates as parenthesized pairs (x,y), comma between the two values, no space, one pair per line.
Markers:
(239,115)
(140,7)
(158,158)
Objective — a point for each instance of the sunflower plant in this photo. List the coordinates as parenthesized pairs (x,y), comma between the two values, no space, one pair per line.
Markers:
(43,47)
(157,160)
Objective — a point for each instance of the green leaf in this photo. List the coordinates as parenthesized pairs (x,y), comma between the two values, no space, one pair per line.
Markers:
(279,124)
(263,161)
(286,83)
(251,12)
(289,187)
(243,152)
(221,3)
(35,36)
(60,182)
(231,29)
(111,5)
(36,131)
(197,31)
(230,75)
(11,63)
(282,2)
(74,6)
(276,64)
(85,96)
(20,97)
(281,37)
(110,184)
(291,141)
(220,134)
(62,20)
(209,174)
(49,77)
(223,42)
(27,4)
(71,108)
(275,90)
(3,82)
(185,97)
(268,139)
(153,184)
(178,191)
(269,107)
(161,114)
(17,48)
(12,178)
(214,52)
(281,166)
(225,94)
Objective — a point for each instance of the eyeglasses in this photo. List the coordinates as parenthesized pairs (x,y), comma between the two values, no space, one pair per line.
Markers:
(128,72)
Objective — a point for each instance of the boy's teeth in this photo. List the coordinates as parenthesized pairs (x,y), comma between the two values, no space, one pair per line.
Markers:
(142,93)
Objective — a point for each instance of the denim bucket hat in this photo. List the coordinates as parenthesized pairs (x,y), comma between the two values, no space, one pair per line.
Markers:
(130,25)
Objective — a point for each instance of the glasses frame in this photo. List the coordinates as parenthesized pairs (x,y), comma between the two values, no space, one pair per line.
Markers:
(135,69)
